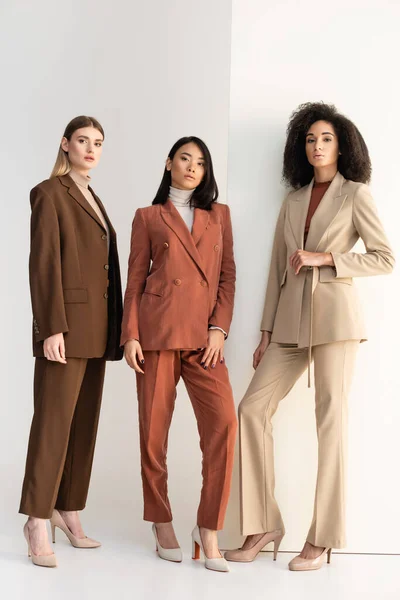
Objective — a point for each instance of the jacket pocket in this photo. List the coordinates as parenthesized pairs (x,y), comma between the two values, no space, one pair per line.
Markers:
(152,290)
(328,275)
(75,296)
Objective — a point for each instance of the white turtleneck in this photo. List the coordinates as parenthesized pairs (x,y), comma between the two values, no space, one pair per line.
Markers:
(180,199)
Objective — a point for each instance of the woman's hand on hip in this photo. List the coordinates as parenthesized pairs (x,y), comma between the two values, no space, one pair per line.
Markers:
(261,348)
(302,258)
(133,355)
(54,348)
(214,351)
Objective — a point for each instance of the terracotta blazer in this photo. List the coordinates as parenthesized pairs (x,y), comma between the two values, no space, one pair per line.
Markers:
(320,305)
(179,282)
(75,283)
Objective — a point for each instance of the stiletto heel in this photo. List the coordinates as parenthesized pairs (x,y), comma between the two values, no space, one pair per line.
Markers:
(57,521)
(310,564)
(277,543)
(39,560)
(195,550)
(249,554)
(214,564)
(171,554)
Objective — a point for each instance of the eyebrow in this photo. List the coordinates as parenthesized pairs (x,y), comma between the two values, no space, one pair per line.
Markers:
(86,138)
(323,133)
(188,154)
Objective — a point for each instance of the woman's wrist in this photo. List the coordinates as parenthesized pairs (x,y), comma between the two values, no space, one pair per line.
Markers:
(327,259)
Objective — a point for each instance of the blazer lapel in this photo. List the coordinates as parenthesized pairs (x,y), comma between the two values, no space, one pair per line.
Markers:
(330,205)
(73,191)
(200,224)
(104,212)
(175,222)
(297,211)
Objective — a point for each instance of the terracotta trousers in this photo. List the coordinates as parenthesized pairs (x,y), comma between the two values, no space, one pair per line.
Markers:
(211,397)
(276,374)
(67,401)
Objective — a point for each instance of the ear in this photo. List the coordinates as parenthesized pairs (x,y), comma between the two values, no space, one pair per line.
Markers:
(64,144)
(168,164)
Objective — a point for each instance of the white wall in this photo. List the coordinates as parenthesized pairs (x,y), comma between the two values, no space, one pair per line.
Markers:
(346,53)
(151,72)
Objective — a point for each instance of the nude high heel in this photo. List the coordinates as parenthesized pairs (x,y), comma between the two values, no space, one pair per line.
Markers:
(38,559)
(214,564)
(171,554)
(250,554)
(310,564)
(57,521)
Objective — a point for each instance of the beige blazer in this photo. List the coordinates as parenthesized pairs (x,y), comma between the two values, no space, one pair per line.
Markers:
(320,305)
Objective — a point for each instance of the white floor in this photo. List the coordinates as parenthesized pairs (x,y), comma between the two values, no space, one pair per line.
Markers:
(122,570)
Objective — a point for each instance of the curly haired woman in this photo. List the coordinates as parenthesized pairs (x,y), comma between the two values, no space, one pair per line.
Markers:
(311,313)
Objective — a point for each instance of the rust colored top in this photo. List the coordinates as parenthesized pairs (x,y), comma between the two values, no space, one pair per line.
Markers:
(317,193)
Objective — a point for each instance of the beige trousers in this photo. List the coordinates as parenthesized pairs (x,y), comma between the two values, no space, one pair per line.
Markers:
(274,377)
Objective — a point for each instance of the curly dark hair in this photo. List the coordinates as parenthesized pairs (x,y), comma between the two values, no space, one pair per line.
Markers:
(354,162)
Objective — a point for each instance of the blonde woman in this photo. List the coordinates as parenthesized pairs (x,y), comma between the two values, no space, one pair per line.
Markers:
(77,308)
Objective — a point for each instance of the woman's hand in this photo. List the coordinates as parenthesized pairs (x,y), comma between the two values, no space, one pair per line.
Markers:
(215,348)
(54,348)
(261,348)
(301,258)
(133,355)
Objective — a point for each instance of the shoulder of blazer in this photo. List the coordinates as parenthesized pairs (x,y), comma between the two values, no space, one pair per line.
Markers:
(48,185)
(222,210)
(352,187)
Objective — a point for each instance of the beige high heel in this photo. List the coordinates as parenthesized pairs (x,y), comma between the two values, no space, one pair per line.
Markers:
(57,521)
(213,564)
(171,554)
(250,554)
(40,560)
(310,564)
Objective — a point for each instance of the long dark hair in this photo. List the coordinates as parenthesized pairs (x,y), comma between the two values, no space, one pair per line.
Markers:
(207,192)
(353,163)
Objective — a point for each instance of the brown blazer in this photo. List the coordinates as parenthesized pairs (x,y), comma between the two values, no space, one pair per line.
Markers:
(179,282)
(75,284)
(321,304)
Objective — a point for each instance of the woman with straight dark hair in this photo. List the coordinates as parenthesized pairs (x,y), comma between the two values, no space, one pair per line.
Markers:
(177,313)
(311,313)
(77,310)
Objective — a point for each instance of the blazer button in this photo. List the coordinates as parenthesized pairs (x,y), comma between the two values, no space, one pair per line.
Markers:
(104,237)
(177,282)
(203,283)
(216,247)
(105,296)
(106,267)
(166,245)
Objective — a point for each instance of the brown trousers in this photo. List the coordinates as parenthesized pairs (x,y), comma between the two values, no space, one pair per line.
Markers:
(275,376)
(67,401)
(211,397)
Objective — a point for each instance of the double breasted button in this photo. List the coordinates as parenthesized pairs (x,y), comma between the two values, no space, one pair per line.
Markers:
(104,237)
(166,245)
(203,283)
(177,282)
(216,247)
(105,295)
(106,267)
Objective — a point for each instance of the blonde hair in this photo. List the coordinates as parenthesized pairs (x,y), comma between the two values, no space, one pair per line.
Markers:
(62,165)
